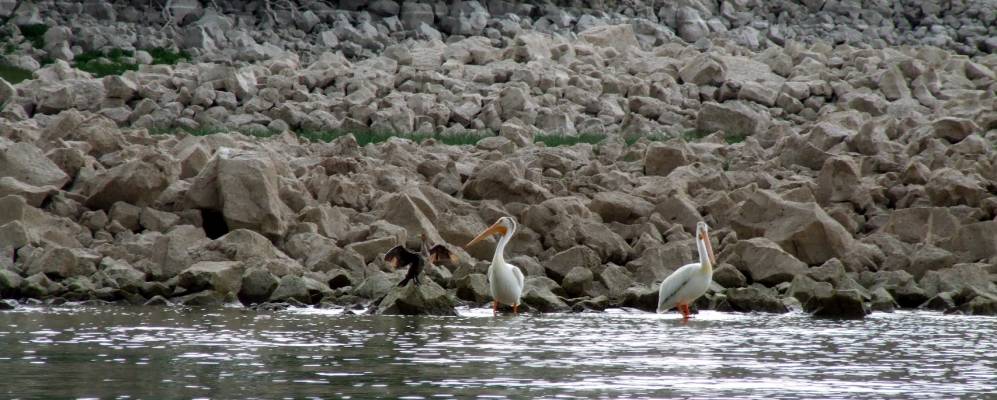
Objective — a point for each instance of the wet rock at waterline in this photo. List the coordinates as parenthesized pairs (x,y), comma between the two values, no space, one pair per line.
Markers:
(423,299)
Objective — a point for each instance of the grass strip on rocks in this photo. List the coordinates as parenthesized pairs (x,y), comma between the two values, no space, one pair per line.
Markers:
(368,136)
(104,63)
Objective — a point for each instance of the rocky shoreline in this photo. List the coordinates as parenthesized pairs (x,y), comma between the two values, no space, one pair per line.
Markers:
(838,179)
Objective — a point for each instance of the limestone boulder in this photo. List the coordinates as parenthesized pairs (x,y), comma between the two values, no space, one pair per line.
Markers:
(958,278)
(620,207)
(917,224)
(749,299)
(474,288)
(538,295)
(620,37)
(294,289)
(578,282)
(732,118)
(729,276)
(801,229)
(973,242)
(120,275)
(503,181)
(764,261)
(703,70)
(27,164)
(34,195)
(839,180)
(224,277)
(427,298)
(257,285)
(662,158)
(81,94)
(138,182)
(950,187)
(245,188)
(61,262)
(953,129)
(617,279)
(841,304)
(562,263)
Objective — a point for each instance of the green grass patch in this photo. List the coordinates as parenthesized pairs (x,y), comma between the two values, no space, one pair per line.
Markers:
(104,63)
(653,137)
(14,74)
(162,55)
(34,33)
(553,140)
(363,137)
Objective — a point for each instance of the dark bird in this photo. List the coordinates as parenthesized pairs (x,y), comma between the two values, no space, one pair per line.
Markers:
(399,257)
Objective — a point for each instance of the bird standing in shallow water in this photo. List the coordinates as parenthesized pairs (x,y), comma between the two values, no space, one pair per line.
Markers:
(504,280)
(687,283)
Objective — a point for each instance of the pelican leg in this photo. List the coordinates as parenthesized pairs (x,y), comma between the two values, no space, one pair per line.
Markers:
(515,309)
(684,308)
(494,307)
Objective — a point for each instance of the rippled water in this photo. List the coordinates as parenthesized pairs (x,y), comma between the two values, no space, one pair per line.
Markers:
(119,352)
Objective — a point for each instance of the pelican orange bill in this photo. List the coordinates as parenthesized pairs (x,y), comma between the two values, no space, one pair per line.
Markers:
(495,229)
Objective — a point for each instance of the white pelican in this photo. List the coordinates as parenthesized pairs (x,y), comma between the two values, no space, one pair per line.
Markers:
(687,283)
(505,280)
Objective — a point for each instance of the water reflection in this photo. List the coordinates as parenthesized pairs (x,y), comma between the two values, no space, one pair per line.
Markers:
(155,353)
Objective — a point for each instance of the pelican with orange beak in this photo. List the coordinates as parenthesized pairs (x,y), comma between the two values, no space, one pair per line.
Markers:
(687,283)
(505,280)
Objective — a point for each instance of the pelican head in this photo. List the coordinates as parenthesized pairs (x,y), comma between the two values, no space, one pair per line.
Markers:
(504,227)
(703,234)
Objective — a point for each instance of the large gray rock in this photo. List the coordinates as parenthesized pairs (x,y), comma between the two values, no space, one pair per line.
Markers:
(662,159)
(703,70)
(427,298)
(291,288)
(61,262)
(473,288)
(763,261)
(732,118)
(414,14)
(27,164)
(802,229)
(257,285)
(620,207)
(505,182)
(225,277)
(245,188)
(539,296)
(34,195)
(617,279)
(10,283)
(138,182)
(578,282)
(751,298)
(620,37)
(562,263)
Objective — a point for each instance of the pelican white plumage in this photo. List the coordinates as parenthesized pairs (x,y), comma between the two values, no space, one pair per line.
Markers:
(504,280)
(687,283)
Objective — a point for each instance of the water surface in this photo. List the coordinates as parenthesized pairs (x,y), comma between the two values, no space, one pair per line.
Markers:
(153,353)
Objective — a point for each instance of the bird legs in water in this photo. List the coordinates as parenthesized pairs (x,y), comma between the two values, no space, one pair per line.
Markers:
(495,304)
(684,308)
